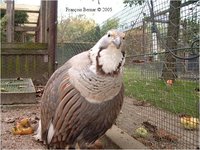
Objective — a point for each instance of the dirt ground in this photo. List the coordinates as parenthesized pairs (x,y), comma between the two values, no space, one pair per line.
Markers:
(132,116)
(9,117)
(169,133)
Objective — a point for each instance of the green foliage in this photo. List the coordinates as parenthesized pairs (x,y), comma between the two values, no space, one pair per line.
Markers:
(20,18)
(190,30)
(3,28)
(3,12)
(74,27)
(91,36)
(96,33)
(130,3)
(81,29)
(109,24)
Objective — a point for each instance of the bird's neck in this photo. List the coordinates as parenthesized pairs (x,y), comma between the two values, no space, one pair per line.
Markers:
(108,61)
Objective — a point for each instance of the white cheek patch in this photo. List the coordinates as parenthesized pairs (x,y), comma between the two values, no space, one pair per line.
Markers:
(110,60)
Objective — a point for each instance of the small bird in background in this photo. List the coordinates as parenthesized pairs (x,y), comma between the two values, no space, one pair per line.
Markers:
(83,98)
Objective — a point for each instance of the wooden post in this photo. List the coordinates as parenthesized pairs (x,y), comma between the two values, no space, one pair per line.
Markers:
(42,21)
(10,18)
(37,33)
(47,13)
(52,34)
(143,38)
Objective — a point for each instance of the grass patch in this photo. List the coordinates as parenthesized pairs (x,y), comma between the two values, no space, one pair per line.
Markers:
(179,98)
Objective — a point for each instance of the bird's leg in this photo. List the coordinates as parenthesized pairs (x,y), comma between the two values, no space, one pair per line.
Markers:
(96,145)
(71,147)
(82,145)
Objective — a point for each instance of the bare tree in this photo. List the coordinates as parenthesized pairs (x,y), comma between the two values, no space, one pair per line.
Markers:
(169,68)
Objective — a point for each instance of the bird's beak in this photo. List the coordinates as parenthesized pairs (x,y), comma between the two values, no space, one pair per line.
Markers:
(117,42)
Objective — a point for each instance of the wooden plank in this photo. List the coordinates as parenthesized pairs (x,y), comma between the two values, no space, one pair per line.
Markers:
(3,63)
(22,63)
(42,21)
(24,52)
(25,28)
(52,34)
(35,67)
(11,69)
(24,46)
(10,21)
(30,22)
(28,11)
(32,66)
(47,12)
(17,65)
(38,25)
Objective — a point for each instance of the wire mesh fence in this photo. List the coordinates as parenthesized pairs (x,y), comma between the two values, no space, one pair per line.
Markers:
(170,102)
(161,73)
(161,70)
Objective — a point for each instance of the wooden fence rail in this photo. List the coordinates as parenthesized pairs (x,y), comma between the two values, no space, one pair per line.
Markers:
(25,60)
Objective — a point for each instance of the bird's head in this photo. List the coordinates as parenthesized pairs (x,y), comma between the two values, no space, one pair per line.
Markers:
(107,55)
(113,39)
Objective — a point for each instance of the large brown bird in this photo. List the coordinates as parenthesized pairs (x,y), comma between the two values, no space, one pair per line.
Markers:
(83,98)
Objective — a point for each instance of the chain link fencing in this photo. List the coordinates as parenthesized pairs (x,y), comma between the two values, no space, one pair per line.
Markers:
(161,73)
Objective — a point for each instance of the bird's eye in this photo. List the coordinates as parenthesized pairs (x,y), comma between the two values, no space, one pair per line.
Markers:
(108,35)
(123,38)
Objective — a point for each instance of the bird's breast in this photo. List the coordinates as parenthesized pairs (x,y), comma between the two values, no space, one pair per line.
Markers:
(93,87)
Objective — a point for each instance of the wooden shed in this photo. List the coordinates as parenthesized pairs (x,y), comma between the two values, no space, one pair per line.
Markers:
(36,58)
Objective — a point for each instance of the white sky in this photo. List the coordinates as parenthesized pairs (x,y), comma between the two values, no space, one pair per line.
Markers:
(99,17)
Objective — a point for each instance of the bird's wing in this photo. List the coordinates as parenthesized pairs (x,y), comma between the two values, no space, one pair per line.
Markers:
(76,118)
(72,116)
(52,95)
